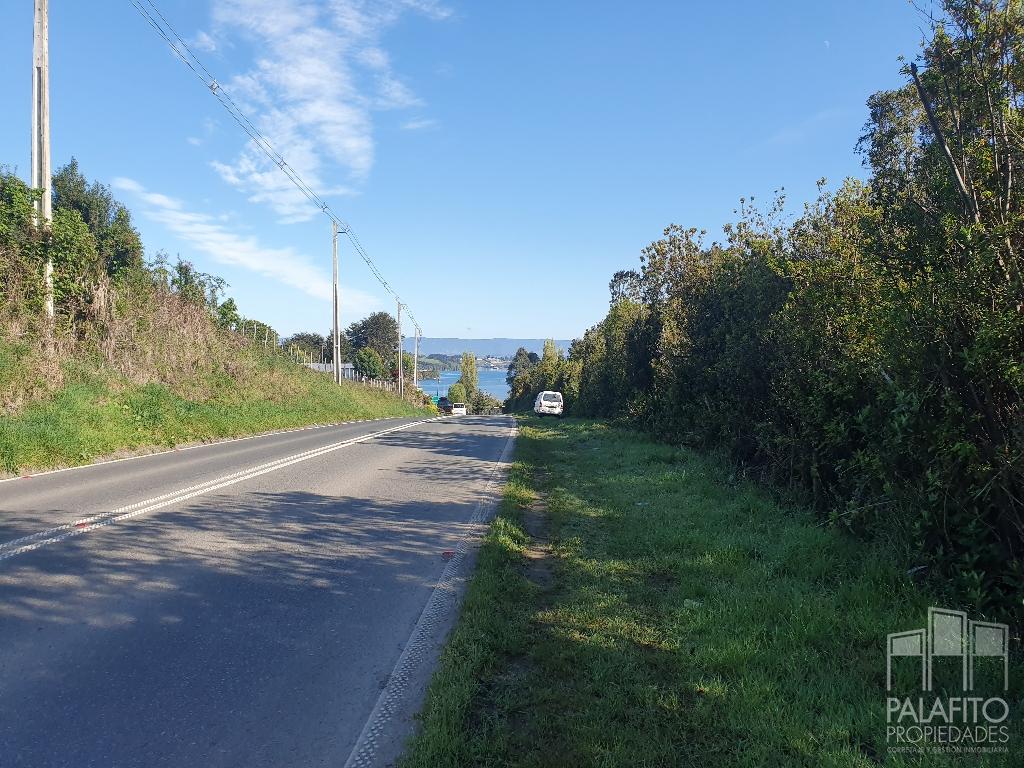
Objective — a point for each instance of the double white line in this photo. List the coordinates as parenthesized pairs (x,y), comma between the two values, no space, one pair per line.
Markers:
(59,533)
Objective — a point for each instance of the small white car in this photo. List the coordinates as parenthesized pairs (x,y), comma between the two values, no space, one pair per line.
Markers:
(548,404)
(458,409)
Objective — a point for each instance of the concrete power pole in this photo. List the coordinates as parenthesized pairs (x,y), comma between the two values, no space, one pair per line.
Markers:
(416,360)
(42,177)
(336,342)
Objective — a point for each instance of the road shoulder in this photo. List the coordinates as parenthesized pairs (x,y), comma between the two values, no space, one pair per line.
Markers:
(393,719)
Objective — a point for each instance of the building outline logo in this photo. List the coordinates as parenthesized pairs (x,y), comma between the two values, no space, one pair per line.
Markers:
(949,633)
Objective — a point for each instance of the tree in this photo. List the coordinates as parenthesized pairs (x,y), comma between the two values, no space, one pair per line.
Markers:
(457,393)
(227,315)
(379,332)
(547,371)
(869,352)
(77,266)
(21,251)
(346,351)
(481,402)
(117,241)
(469,377)
(121,245)
(370,364)
(518,376)
(195,287)
(625,284)
(309,342)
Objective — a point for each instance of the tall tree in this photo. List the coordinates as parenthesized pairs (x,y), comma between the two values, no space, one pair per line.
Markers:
(547,372)
(379,332)
(469,376)
(520,371)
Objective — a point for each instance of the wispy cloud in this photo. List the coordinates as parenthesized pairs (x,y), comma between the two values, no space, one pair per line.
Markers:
(203,42)
(209,235)
(320,73)
(421,124)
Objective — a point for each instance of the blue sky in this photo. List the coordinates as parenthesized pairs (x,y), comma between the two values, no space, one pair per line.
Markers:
(499,161)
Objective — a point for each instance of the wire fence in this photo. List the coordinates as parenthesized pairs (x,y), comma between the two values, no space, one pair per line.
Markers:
(260,336)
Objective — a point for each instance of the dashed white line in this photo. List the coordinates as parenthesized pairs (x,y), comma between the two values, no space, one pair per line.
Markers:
(180,449)
(59,533)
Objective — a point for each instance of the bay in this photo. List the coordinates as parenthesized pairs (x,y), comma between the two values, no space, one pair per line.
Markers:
(490,381)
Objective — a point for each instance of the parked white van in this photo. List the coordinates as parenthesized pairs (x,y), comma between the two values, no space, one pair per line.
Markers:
(459,409)
(548,404)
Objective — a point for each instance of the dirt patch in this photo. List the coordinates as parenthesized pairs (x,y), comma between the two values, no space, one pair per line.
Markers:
(539,566)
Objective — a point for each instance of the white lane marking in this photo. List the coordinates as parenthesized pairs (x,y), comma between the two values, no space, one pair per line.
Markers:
(59,533)
(114,512)
(441,602)
(211,444)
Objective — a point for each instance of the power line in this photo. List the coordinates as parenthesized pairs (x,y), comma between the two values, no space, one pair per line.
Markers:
(181,49)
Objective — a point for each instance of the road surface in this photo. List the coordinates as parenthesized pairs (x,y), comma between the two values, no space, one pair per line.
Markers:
(273,601)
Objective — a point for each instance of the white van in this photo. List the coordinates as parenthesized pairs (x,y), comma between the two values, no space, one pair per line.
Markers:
(459,409)
(548,404)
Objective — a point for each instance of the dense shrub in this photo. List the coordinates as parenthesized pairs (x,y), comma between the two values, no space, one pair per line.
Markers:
(159,323)
(869,354)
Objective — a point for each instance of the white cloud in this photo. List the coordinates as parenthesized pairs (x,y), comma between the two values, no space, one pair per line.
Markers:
(207,234)
(203,42)
(420,124)
(319,74)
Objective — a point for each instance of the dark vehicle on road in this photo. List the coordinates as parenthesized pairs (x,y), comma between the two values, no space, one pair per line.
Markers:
(444,406)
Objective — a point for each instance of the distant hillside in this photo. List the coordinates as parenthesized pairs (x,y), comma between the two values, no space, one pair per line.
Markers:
(481,347)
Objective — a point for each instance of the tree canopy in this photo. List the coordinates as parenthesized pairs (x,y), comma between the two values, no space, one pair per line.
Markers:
(469,377)
(868,353)
(379,332)
(457,393)
(369,363)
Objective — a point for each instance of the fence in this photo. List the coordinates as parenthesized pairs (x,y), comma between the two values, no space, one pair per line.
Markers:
(348,373)
(261,335)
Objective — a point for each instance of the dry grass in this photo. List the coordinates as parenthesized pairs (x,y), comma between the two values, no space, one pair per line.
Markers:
(143,367)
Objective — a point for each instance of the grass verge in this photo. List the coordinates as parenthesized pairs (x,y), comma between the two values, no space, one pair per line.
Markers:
(669,616)
(96,415)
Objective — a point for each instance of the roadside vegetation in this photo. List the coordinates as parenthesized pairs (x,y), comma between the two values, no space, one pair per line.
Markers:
(97,413)
(638,604)
(140,353)
(866,356)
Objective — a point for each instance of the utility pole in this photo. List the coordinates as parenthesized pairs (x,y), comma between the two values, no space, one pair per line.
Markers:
(42,177)
(336,342)
(416,359)
(401,373)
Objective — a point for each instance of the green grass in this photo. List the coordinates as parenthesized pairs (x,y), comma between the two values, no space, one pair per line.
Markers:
(94,415)
(687,619)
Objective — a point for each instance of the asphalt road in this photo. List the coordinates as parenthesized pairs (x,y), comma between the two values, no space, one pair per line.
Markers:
(263,602)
